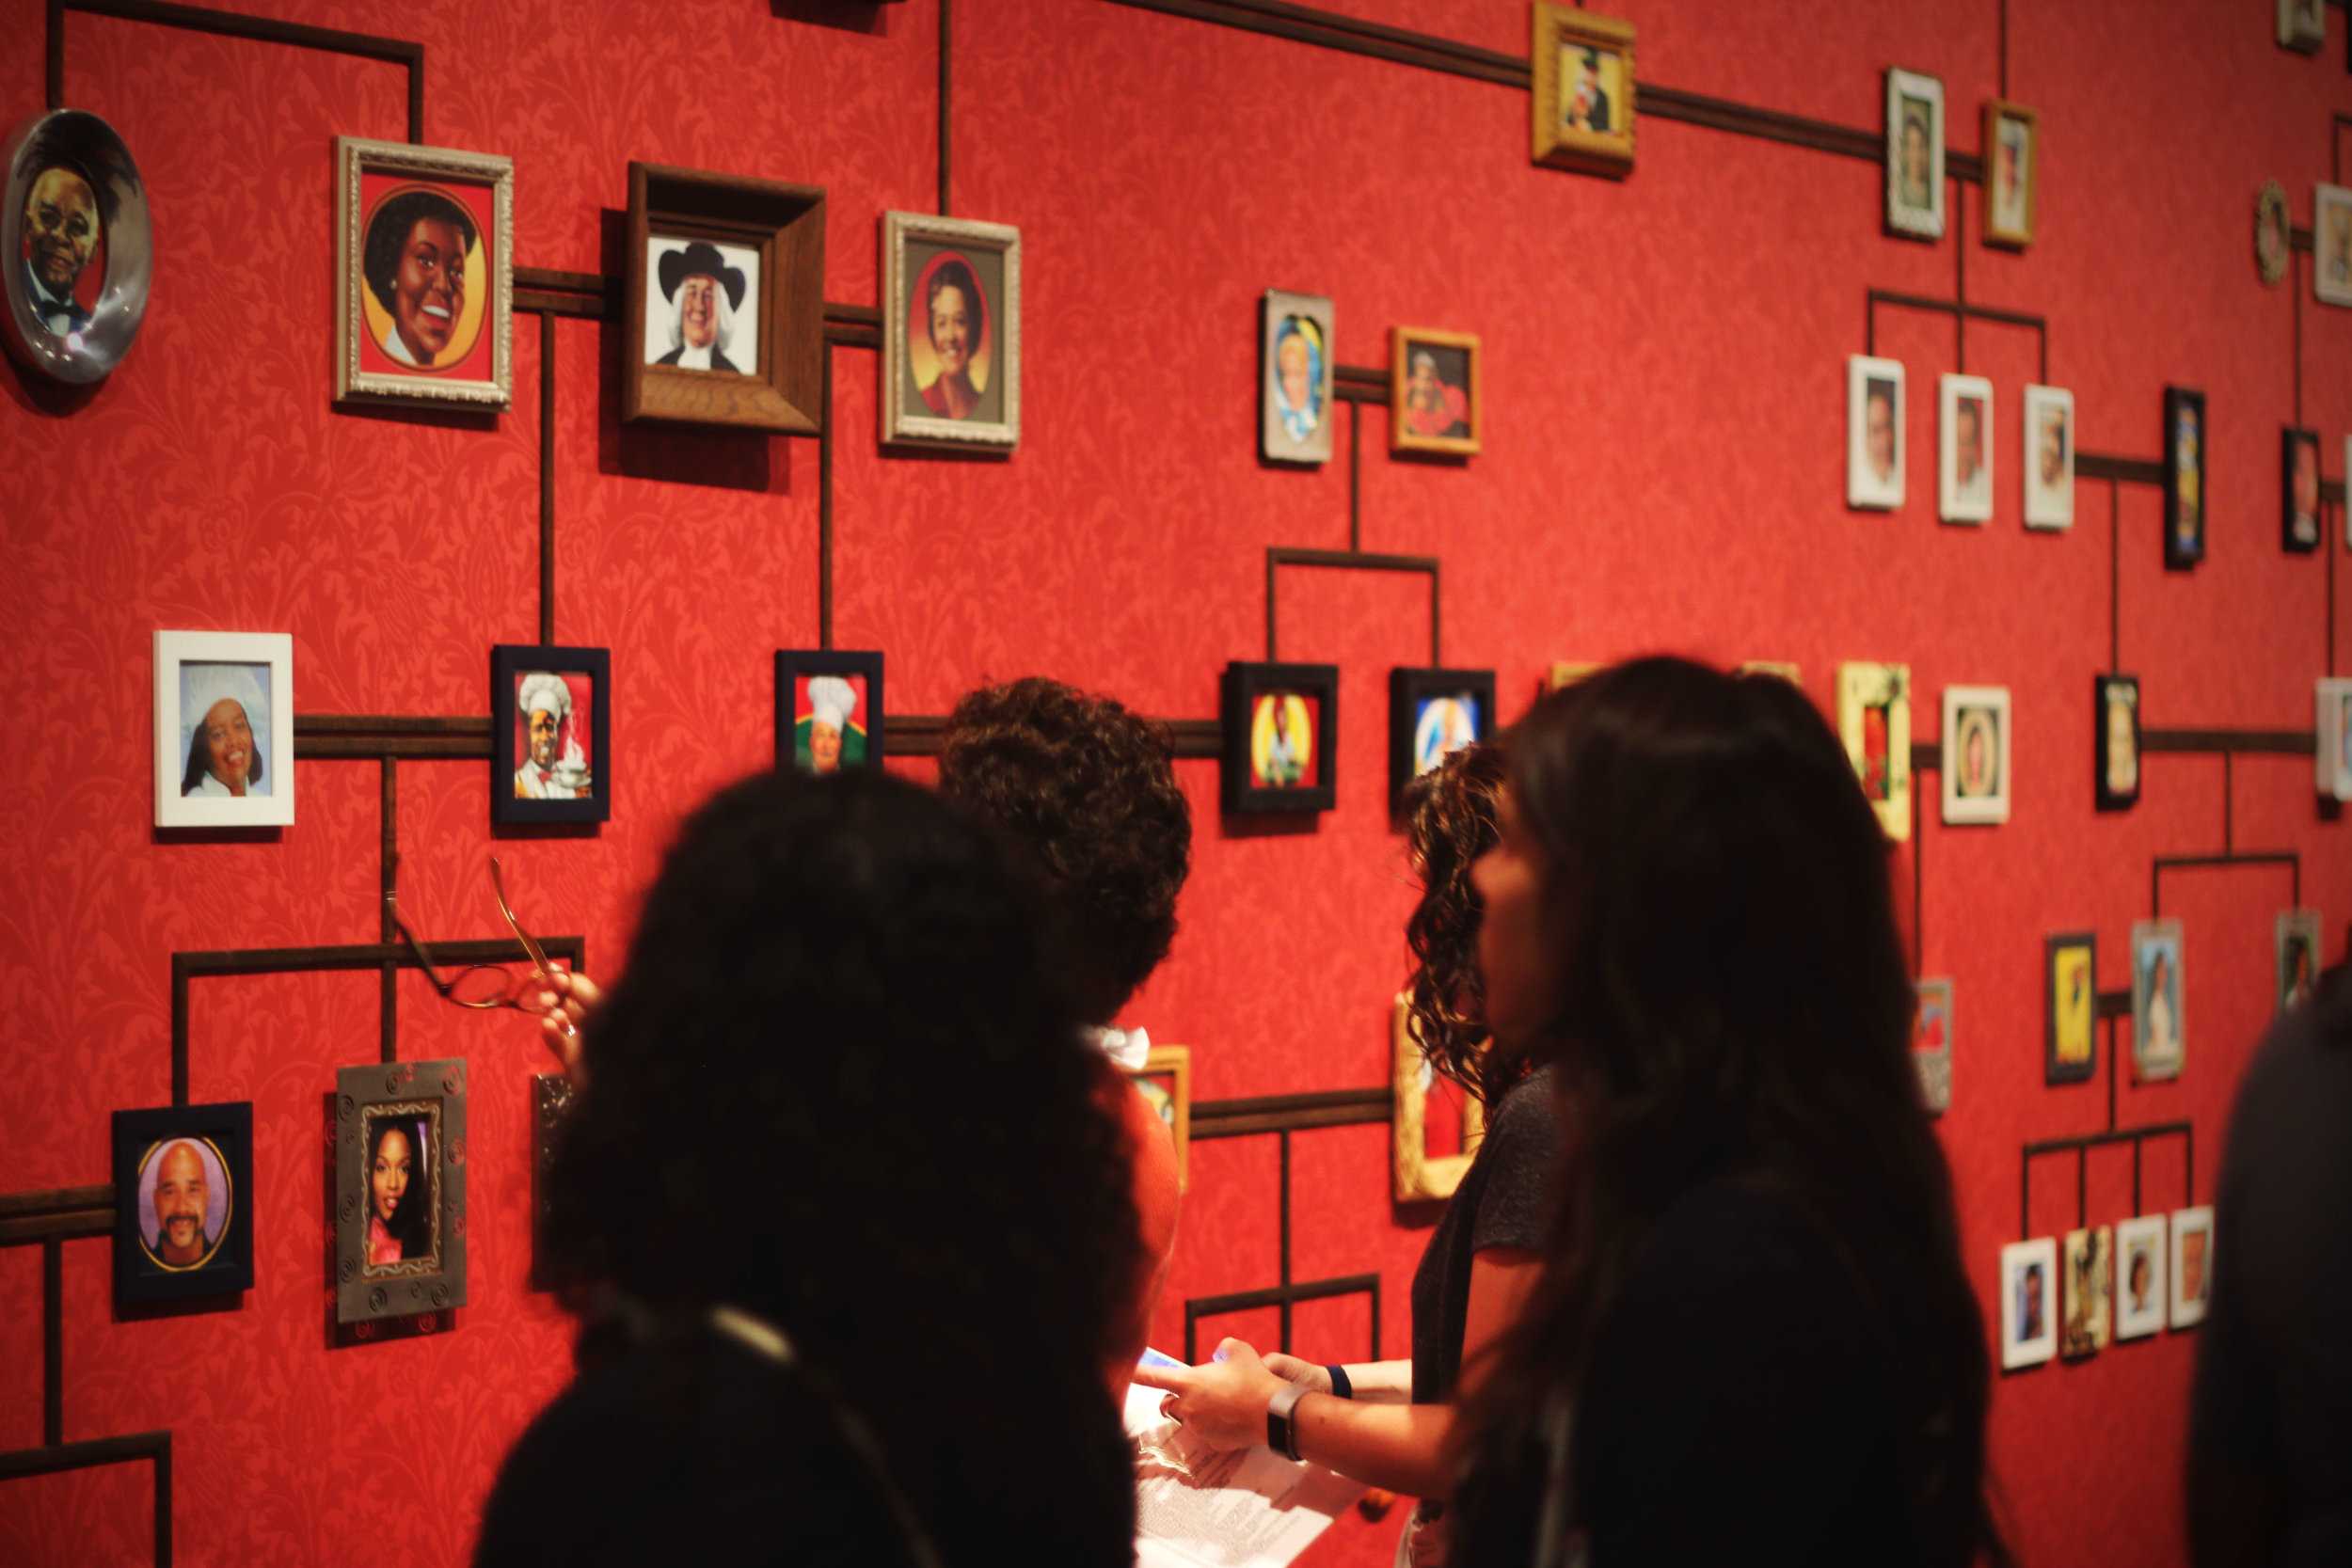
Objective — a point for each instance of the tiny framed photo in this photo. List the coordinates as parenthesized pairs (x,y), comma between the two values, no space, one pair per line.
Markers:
(829,710)
(1583,100)
(1435,391)
(2158,1036)
(1932,1044)
(2087,1267)
(1164,1081)
(2331,245)
(2012,149)
(400,1190)
(1874,433)
(725,302)
(2028,1310)
(550,1106)
(1281,723)
(1964,448)
(424,275)
(550,734)
(2183,478)
(1420,1176)
(1294,381)
(2192,1265)
(951,333)
(2296,939)
(224,729)
(2070,1013)
(2115,762)
(2333,699)
(1874,721)
(2049,457)
(2273,233)
(2299,490)
(1976,753)
(2302,25)
(1433,714)
(184,1202)
(1914,154)
(75,213)
(2141,1280)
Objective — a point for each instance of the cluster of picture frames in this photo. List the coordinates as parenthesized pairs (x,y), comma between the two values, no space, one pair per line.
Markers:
(2097,1298)
(1435,401)
(1280,727)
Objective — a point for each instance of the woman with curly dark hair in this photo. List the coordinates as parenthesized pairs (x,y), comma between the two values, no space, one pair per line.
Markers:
(806,1179)
(1485,1255)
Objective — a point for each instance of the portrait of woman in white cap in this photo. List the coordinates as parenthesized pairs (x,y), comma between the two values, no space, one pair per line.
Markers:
(555,766)
(224,722)
(824,740)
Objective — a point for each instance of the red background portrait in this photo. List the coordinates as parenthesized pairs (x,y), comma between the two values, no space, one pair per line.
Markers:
(479,204)
(580,726)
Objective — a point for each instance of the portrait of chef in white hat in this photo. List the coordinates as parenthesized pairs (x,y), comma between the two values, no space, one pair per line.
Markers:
(555,766)
(824,738)
(224,725)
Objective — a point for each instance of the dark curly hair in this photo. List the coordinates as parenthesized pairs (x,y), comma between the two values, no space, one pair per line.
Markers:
(839,1085)
(1450,820)
(1086,785)
(388,231)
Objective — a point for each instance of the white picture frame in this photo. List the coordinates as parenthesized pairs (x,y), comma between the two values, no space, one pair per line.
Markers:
(2333,698)
(1871,484)
(2029,1303)
(2297,955)
(2138,1315)
(1963,498)
(2159,994)
(207,668)
(1881,753)
(2047,457)
(1976,715)
(1914,105)
(2192,1265)
(2332,244)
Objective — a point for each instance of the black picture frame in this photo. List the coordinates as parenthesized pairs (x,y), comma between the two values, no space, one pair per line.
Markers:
(224,1134)
(793,663)
(2291,440)
(1408,687)
(2186,505)
(2055,1071)
(2104,793)
(1243,684)
(508,663)
(434,1095)
(551,1099)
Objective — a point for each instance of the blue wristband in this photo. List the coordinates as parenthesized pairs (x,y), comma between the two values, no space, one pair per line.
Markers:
(1339,1385)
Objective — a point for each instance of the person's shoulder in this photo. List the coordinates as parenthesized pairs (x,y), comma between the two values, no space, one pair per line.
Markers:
(1526,1121)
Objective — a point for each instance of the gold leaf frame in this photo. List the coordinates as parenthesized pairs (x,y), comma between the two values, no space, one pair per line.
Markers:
(1421,1177)
(1604,152)
(1866,686)
(1174,1062)
(357,156)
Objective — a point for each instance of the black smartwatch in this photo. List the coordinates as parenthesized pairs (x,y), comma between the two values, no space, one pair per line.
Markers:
(1281,1433)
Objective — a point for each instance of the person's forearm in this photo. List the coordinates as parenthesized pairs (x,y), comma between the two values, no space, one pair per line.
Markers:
(1381,1382)
(1398,1447)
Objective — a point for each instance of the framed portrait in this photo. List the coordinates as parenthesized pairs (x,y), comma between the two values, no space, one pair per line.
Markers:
(224,729)
(2089,1272)
(1164,1081)
(2012,154)
(1421,1177)
(951,333)
(2070,1011)
(1932,1044)
(1294,377)
(2334,728)
(2192,1265)
(1914,154)
(2115,762)
(1874,721)
(1281,723)
(400,1190)
(829,709)
(1584,88)
(1433,714)
(1976,753)
(550,734)
(1435,401)
(424,275)
(2048,458)
(2331,245)
(2272,232)
(1874,433)
(2028,1302)
(725,301)
(2296,939)
(184,1202)
(74,220)
(1792,674)
(1964,448)
(2158,1034)
(2185,489)
(2299,490)
(550,1105)
(2302,25)
(2139,1276)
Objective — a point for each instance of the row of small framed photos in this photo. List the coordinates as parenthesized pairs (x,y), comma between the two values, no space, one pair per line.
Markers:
(2075,1312)
(1280,726)
(1436,401)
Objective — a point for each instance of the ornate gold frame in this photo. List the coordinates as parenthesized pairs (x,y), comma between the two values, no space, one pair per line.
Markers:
(902,426)
(1419,1176)
(1605,152)
(1401,340)
(1996,110)
(356,155)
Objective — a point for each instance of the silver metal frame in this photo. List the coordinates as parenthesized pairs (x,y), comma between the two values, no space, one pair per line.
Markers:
(900,426)
(355,155)
(366,1292)
(89,145)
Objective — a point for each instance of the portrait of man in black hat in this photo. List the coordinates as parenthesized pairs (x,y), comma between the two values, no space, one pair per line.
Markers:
(709,298)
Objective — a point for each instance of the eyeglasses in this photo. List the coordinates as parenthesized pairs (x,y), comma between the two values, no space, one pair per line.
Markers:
(487,984)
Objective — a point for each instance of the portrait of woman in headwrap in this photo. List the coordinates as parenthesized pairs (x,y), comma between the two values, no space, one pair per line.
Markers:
(224,719)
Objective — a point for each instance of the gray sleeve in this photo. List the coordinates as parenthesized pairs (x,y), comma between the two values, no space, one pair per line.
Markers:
(1522,1152)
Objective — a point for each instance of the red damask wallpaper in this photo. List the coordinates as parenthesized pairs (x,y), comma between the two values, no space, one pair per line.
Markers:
(1664,375)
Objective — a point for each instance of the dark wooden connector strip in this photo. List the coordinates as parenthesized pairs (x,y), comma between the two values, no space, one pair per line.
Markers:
(375,736)
(2130,471)
(1291,1113)
(2114,1003)
(59,1213)
(2285,743)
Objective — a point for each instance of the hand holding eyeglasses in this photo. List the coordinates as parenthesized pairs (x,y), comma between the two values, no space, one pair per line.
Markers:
(562,1008)
(560,998)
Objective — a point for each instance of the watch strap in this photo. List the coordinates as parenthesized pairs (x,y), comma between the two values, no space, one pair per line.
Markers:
(1281,1431)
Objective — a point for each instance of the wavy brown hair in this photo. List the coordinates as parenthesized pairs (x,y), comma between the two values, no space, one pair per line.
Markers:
(1450,820)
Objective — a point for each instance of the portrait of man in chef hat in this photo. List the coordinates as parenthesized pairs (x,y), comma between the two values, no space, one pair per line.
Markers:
(828,729)
(224,729)
(554,764)
(709,305)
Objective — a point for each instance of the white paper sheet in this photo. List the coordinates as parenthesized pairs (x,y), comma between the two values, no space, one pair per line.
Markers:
(1246,1507)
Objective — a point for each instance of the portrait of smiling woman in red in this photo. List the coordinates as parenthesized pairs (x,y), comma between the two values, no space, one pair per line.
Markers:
(421,266)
